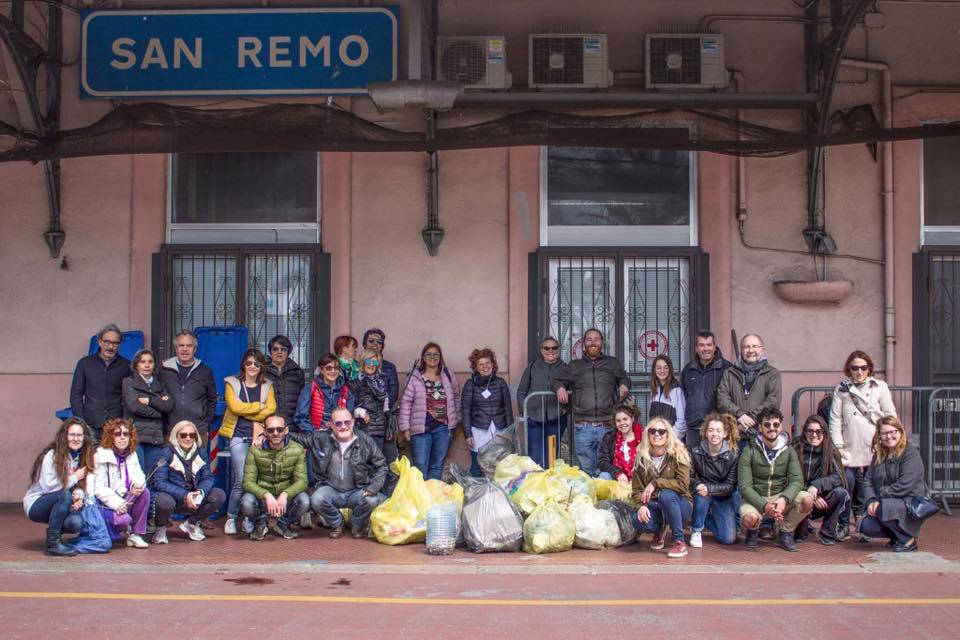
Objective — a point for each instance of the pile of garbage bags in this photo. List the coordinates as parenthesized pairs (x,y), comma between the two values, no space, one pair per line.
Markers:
(517,505)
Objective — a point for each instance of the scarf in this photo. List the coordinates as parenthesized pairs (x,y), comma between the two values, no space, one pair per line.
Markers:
(188,462)
(377,384)
(750,372)
(121,459)
(350,368)
(625,453)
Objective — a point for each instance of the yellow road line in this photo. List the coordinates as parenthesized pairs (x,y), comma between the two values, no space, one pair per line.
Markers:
(654,602)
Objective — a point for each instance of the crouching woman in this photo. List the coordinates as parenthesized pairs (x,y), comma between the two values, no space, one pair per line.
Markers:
(121,486)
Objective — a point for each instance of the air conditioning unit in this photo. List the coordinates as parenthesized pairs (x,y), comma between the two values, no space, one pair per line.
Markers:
(685,61)
(568,61)
(477,62)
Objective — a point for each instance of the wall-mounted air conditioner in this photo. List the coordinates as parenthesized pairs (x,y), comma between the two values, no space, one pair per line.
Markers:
(568,61)
(685,61)
(477,62)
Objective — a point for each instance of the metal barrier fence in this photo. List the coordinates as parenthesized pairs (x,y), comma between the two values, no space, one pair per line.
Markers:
(931,413)
(540,401)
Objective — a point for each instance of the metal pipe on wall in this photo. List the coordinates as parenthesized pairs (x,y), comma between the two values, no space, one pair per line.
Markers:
(889,308)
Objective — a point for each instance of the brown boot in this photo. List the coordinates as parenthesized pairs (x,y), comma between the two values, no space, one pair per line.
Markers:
(336,532)
(360,532)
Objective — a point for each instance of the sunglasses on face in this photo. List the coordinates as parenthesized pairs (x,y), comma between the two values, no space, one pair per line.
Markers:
(547,348)
(772,425)
(274,430)
(331,367)
(857,367)
(187,436)
(816,433)
(371,363)
(122,434)
(343,423)
(374,341)
(657,432)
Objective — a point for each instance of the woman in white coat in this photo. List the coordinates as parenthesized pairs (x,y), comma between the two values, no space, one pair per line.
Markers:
(858,402)
(121,486)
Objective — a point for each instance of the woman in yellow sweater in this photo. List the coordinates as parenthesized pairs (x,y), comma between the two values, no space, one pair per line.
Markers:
(250,401)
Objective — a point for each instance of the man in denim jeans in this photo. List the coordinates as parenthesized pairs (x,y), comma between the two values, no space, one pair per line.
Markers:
(595,383)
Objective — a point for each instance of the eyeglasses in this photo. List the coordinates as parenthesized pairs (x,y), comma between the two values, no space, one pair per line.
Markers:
(889,434)
(279,349)
(252,363)
(546,348)
(370,362)
(657,432)
(431,354)
(274,430)
(374,341)
(771,424)
(814,433)
(343,423)
(331,367)
(75,436)
(110,343)
(122,434)
(857,367)
(187,435)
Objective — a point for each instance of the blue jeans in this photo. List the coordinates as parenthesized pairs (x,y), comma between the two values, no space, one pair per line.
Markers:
(256,509)
(430,450)
(669,508)
(148,454)
(603,475)
(327,502)
(537,433)
(238,456)
(586,441)
(718,515)
(53,509)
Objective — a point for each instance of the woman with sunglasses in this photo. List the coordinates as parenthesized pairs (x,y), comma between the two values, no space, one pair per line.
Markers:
(544,417)
(250,400)
(893,480)
(327,391)
(286,375)
(373,402)
(121,486)
(184,484)
(62,476)
(858,402)
(429,411)
(823,475)
(661,486)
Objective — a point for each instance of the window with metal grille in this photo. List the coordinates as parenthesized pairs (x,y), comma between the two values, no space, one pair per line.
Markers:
(617,197)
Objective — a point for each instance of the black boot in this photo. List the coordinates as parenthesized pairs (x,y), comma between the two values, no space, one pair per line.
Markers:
(786,541)
(54,545)
(750,539)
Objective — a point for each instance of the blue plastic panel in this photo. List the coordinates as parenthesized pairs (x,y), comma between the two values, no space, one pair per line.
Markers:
(221,348)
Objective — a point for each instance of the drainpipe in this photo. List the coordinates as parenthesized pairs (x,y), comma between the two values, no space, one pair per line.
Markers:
(740,85)
(889,309)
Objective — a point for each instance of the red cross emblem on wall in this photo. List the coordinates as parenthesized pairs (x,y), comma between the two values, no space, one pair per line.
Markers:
(652,343)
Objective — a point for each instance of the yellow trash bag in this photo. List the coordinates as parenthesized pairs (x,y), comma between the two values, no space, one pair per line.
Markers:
(512,467)
(549,529)
(402,518)
(441,492)
(577,482)
(536,489)
(613,490)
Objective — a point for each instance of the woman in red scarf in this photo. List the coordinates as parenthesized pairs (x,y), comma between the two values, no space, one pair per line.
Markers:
(618,449)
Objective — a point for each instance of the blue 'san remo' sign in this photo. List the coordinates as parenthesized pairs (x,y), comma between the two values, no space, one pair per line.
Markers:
(237,51)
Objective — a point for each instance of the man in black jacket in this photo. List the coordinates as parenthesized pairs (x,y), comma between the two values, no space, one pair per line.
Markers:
(96,393)
(190,383)
(595,383)
(700,379)
(350,471)
(287,378)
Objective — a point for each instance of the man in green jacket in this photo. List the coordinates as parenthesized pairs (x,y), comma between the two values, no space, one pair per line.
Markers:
(275,482)
(771,482)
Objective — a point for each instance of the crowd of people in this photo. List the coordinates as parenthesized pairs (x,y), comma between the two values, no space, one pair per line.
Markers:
(713,453)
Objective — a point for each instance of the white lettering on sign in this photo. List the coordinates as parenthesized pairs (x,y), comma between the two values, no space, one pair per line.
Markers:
(314,49)
(279,46)
(154,54)
(345,51)
(248,47)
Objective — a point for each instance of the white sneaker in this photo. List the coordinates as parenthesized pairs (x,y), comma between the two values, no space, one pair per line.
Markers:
(306,521)
(134,540)
(230,527)
(160,536)
(193,531)
(247,525)
(696,539)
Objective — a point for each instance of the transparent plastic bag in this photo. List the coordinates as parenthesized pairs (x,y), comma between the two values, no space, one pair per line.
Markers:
(401,518)
(490,521)
(596,528)
(624,513)
(549,529)
(502,445)
(577,482)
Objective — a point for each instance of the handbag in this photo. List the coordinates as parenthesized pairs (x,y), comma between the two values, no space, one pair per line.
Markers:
(922,507)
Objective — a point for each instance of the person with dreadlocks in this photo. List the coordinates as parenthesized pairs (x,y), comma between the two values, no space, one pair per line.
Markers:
(823,476)
(62,476)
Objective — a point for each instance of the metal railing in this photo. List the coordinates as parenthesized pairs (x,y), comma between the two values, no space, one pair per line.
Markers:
(543,399)
(911,404)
